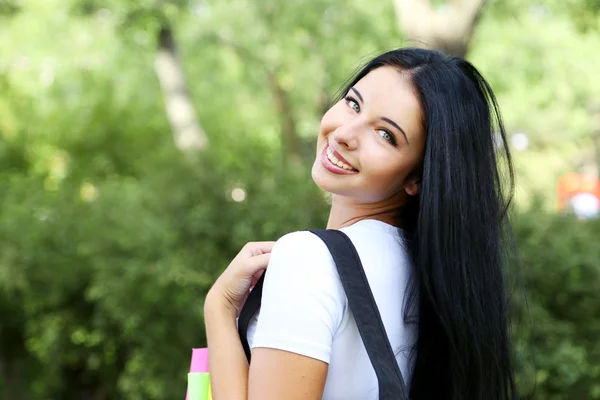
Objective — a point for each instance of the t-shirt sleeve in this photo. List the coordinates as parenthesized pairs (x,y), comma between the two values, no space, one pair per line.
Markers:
(303,300)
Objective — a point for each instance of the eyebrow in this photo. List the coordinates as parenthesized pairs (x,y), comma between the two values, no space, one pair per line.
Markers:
(389,121)
(358,94)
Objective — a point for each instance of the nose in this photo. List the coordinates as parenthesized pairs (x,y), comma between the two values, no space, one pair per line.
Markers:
(347,135)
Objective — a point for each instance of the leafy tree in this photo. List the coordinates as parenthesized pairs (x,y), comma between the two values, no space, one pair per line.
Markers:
(157,18)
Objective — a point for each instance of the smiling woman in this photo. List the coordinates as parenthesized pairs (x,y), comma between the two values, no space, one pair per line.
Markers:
(408,156)
(363,129)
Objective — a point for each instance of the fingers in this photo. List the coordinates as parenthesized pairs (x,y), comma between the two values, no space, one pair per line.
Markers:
(256,263)
(256,277)
(256,248)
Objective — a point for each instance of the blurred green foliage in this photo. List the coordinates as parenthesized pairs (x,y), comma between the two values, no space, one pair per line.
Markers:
(110,237)
(557,338)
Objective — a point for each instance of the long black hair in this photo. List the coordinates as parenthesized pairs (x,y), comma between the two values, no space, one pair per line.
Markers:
(457,228)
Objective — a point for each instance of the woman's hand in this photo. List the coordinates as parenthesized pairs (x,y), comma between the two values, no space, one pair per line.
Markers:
(230,291)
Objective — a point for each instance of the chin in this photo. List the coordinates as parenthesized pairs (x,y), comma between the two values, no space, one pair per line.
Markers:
(325,182)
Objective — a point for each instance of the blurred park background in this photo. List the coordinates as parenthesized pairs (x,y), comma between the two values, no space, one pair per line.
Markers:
(143,142)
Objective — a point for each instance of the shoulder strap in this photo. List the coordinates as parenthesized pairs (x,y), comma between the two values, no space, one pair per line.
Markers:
(363,306)
(250,308)
(365,311)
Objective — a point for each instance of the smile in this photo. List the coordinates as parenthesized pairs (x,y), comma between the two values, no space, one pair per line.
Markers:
(334,162)
(337,161)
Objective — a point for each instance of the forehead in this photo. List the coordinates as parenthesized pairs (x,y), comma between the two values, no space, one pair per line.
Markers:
(388,92)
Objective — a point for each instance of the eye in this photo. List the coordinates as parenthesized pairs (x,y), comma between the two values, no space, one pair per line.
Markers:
(352,103)
(388,137)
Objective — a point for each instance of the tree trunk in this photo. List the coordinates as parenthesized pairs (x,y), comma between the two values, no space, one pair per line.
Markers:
(289,133)
(288,124)
(448,28)
(187,132)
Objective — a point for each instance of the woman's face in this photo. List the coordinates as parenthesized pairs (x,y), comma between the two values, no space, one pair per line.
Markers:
(371,141)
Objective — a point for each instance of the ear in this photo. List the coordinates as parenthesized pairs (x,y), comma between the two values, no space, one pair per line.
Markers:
(413,187)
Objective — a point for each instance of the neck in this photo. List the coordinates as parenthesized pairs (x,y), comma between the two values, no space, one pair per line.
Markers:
(346,211)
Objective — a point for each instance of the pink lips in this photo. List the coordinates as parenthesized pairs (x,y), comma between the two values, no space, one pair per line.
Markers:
(331,167)
(338,155)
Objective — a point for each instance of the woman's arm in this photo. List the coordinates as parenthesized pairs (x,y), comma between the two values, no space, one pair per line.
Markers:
(228,364)
(274,374)
(277,374)
(302,305)
(226,358)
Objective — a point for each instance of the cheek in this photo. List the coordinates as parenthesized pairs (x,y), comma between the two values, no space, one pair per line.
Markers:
(386,176)
(331,120)
(390,180)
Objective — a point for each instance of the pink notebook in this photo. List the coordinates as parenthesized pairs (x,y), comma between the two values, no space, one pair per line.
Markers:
(199,362)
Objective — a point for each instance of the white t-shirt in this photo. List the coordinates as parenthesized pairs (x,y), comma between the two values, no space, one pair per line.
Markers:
(305,310)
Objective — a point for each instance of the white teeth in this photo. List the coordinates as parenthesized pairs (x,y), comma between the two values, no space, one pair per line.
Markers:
(337,162)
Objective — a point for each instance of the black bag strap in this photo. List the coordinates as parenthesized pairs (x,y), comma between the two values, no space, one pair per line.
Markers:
(250,308)
(363,306)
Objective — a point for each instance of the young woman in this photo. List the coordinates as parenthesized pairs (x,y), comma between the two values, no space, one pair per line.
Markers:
(409,155)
